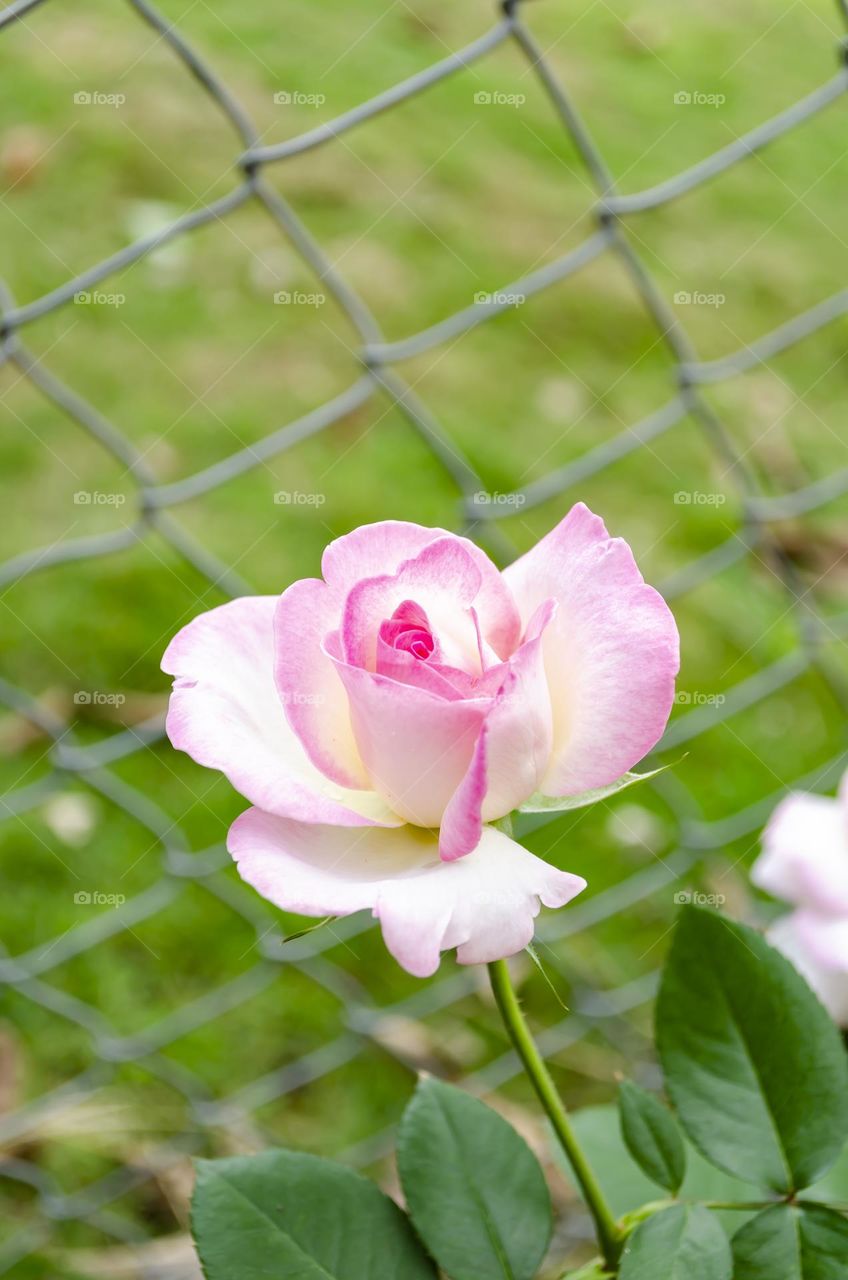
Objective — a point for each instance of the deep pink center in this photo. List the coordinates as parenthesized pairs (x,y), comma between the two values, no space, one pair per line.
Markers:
(409,629)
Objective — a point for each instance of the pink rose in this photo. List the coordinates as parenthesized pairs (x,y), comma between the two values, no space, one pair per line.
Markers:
(383,717)
(805,862)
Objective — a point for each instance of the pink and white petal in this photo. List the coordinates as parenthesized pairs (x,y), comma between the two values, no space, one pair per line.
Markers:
(484,904)
(494,893)
(310,690)
(442,580)
(225,713)
(374,550)
(611,652)
(400,665)
(324,870)
(797,936)
(415,745)
(487,656)
(825,937)
(496,610)
(513,750)
(805,853)
(520,725)
(462,822)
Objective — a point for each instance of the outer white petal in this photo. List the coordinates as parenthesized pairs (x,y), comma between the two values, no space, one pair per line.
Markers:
(512,751)
(611,652)
(818,948)
(483,904)
(313,697)
(805,853)
(225,712)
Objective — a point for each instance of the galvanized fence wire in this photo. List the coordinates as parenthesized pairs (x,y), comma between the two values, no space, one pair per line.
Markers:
(90,764)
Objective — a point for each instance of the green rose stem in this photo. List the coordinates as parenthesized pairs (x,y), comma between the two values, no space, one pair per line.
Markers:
(609,1236)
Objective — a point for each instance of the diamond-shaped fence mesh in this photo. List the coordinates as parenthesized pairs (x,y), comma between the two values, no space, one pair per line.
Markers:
(322,960)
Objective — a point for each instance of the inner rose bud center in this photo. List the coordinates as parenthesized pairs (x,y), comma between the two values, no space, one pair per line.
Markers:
(408,628)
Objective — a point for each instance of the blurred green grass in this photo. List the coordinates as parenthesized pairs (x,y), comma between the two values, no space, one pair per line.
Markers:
(419,209)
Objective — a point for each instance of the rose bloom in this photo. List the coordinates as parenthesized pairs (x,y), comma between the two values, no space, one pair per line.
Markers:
(383,717)
(805,862)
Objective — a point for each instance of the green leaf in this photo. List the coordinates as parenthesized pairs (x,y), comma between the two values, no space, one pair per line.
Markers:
(598,1131)
(652,1137)
(288,1216)
(754,1067)
(630,1221)
(833,1187)
(682,1243)
(792,1243)
(475,1190)
(625,1186)
(592,1271)
(539,803)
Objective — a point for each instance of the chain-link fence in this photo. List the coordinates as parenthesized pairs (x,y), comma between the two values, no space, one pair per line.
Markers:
(92,763)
